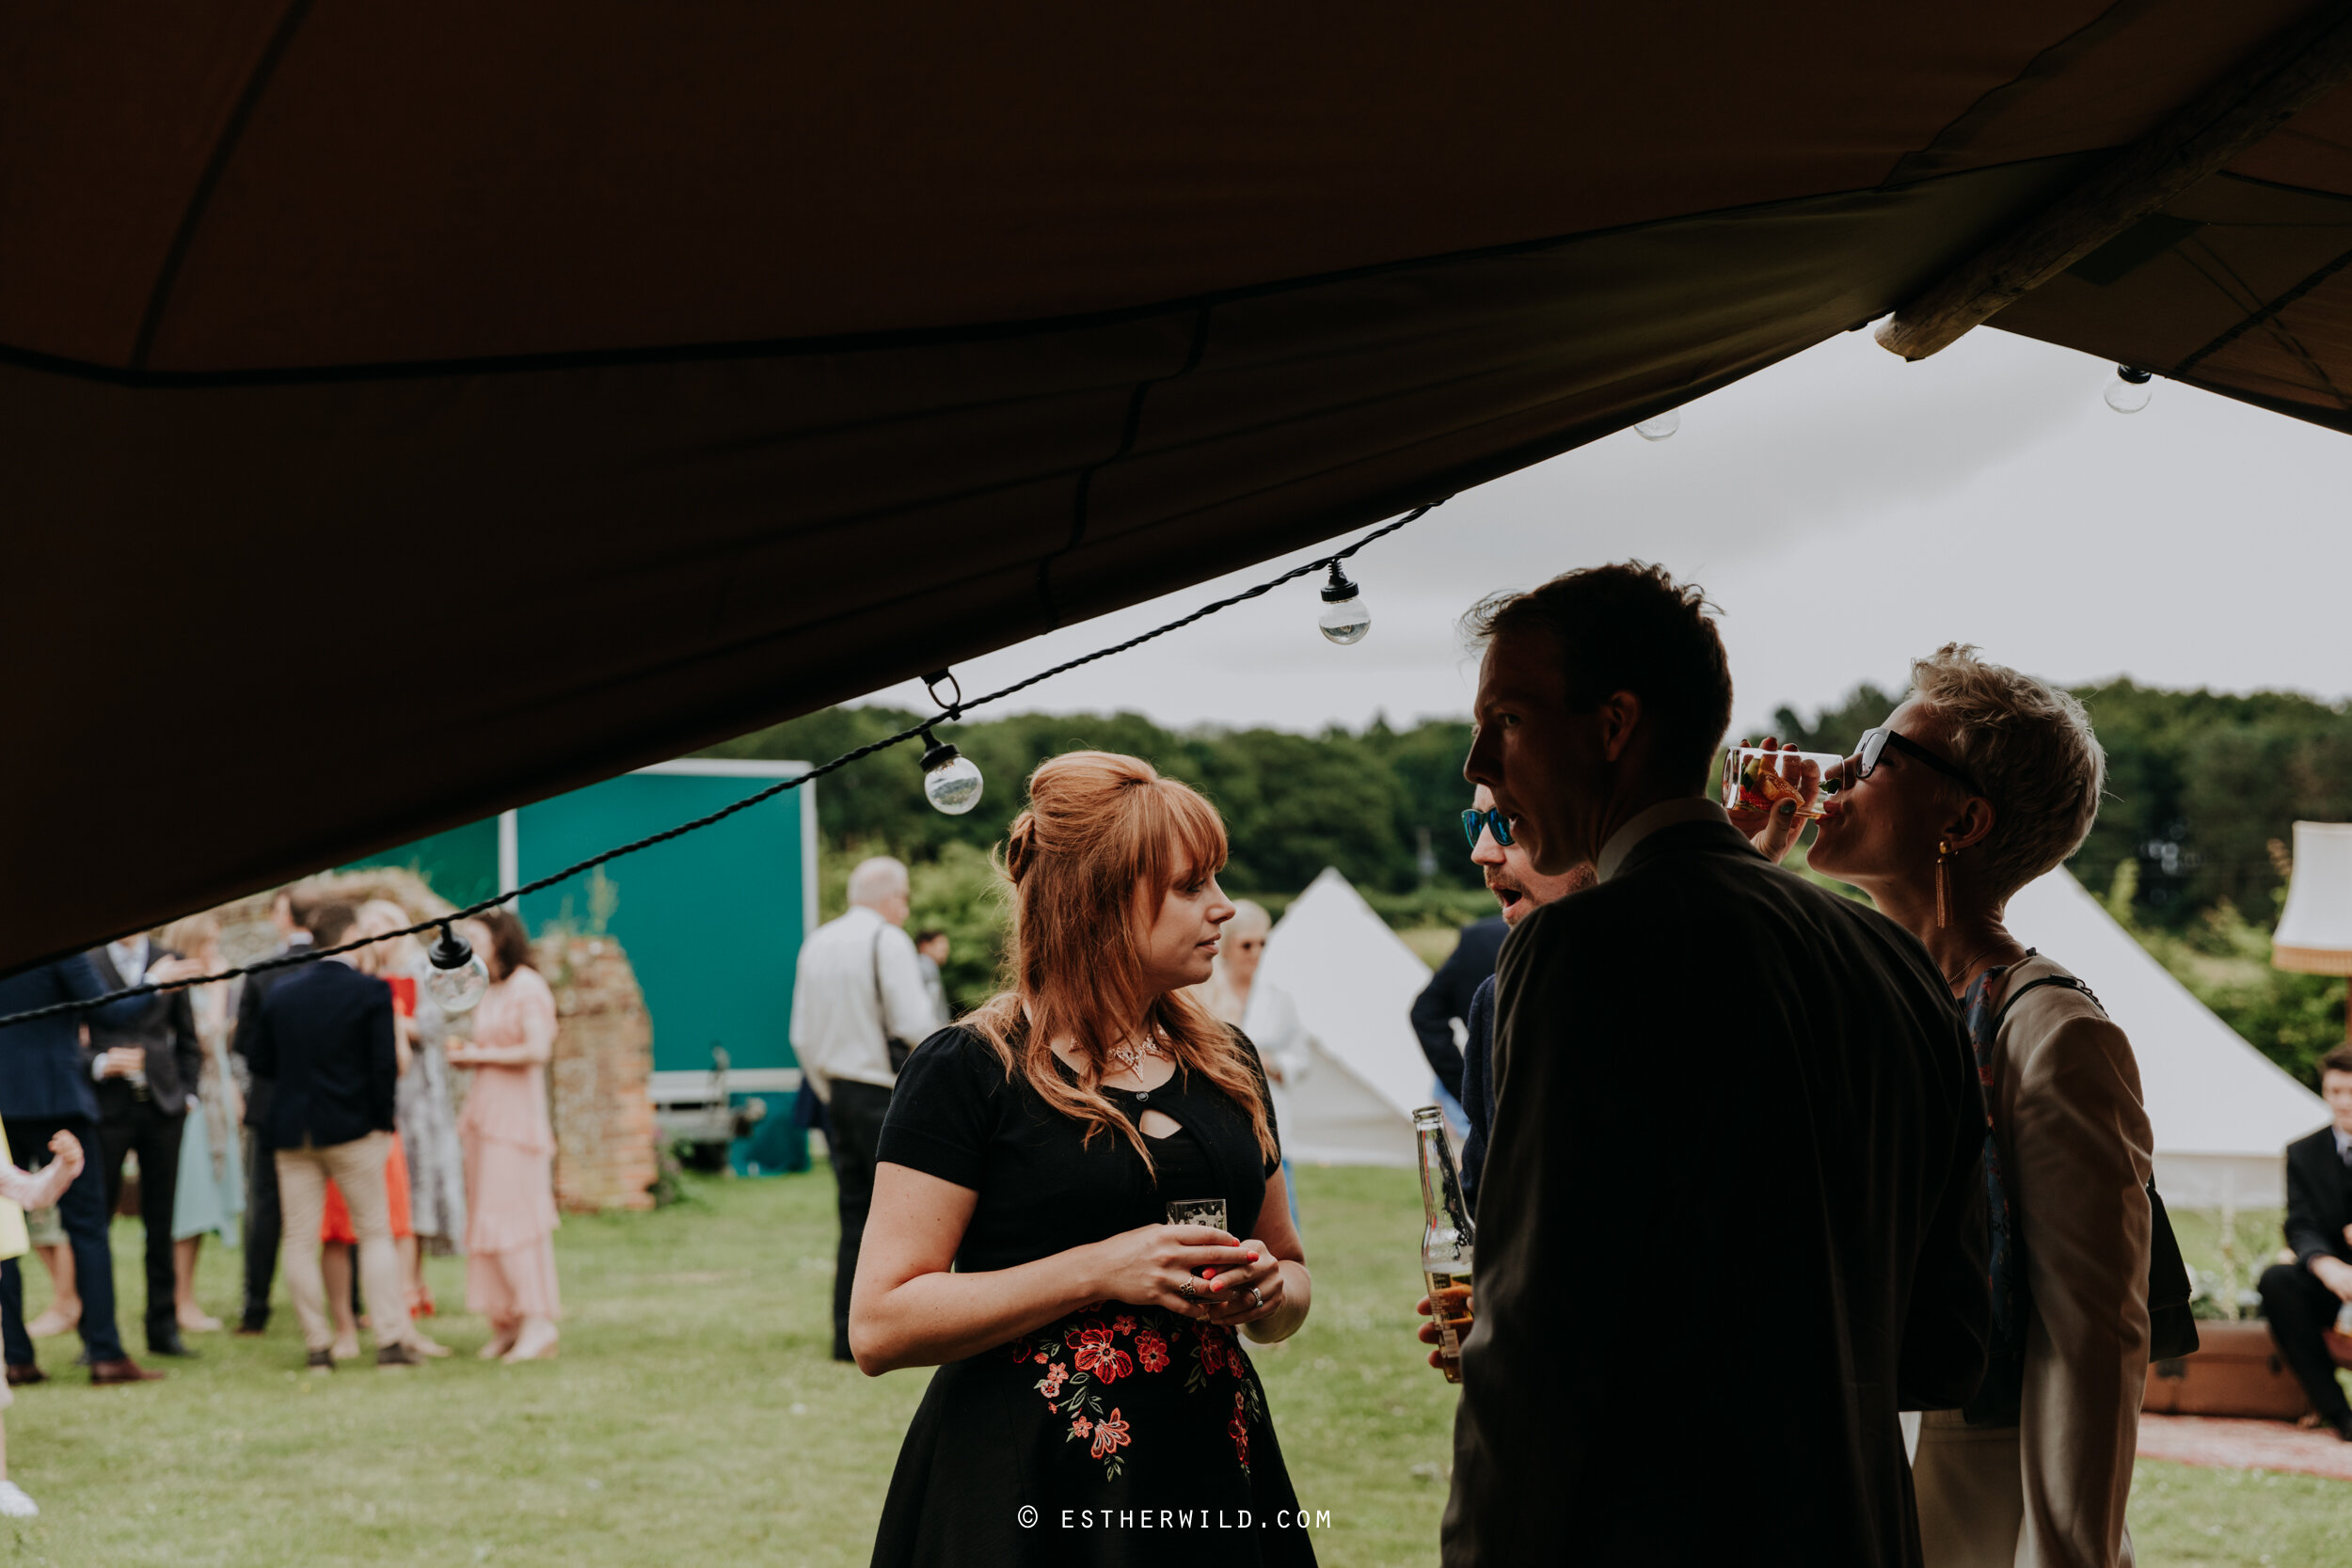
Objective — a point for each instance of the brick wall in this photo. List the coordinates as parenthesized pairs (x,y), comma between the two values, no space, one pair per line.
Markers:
(598,1081)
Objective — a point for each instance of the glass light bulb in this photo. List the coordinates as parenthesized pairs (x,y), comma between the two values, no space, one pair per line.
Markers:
(457,989)
(1344,621)
(953,787)
(1661,426)
(2127,396)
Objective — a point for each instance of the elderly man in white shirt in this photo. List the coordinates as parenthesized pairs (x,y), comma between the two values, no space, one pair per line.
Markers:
(857,992)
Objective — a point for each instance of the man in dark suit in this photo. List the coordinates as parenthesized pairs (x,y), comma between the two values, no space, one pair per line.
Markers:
(1803,1244)
(1446,1000)
(291,912)
(323,1039)
(2302,1299)
(45,1089)
(145,1066)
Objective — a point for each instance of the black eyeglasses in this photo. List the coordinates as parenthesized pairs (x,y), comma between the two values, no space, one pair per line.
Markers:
(1475,822)
(1874,745)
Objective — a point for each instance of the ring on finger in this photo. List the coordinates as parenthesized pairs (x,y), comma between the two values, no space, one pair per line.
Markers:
(1187,1288)
(1255,1299)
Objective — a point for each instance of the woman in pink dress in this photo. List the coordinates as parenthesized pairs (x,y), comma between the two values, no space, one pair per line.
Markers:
(510,1147)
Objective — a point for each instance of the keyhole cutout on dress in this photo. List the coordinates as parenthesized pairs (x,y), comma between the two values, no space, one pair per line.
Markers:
(1157,1124)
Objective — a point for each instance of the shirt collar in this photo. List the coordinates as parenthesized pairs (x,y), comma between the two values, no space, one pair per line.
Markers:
(1666,813)
(2343,1142)
(130,956)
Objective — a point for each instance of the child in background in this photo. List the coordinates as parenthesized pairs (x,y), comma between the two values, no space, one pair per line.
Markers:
(28,1191)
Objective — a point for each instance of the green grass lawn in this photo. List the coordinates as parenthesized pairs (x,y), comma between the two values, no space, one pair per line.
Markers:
(696,1418)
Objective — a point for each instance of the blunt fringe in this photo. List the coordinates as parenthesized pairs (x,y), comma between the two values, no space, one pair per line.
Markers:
(1088,864)
(1630,628)
(2030,745)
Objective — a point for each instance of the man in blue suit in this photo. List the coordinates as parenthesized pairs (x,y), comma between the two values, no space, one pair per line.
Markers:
(44,1089)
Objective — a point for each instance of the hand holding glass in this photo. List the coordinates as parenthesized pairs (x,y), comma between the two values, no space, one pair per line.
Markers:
(1758,779)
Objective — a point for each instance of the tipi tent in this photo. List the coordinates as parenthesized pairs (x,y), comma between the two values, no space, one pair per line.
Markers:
(1356,1071)
(2222,1111)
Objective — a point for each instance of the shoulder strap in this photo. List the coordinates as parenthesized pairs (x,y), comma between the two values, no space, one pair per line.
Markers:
(2067,980)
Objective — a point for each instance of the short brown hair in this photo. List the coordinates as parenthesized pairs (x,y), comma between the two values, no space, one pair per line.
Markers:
(2338,1060)
(510,944)
(331,922)
(1631,628)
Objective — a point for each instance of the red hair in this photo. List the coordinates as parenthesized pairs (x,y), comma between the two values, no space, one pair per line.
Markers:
(1090,863)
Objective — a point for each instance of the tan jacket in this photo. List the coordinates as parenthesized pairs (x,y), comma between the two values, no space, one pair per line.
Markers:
(2075,1154)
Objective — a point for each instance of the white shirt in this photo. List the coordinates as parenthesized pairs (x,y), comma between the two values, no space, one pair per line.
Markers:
(1666,813)
(2343,1144)
(850,969)
(130,958)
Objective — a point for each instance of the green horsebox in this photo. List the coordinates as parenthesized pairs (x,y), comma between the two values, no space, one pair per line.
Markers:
(712,922)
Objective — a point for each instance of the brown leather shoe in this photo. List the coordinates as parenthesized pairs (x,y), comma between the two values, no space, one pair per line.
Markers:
(103,1373)
(20,1376)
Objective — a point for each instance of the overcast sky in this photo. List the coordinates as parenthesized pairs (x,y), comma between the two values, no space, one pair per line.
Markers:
(1847,511)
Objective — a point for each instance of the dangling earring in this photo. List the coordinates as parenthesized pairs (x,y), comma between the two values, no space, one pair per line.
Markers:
(1943,885)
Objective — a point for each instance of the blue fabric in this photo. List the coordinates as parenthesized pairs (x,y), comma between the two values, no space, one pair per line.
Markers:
(1447,997)
(323,1039)
(41,1073)
(1478,1088)
(82,1210)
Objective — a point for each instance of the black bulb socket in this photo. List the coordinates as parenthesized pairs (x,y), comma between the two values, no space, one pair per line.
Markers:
(2134,374)
(1339,590)
(450,951)
(936,753)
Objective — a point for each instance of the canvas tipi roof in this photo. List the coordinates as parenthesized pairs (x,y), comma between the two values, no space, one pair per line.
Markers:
(2222,1112)
(1352,981)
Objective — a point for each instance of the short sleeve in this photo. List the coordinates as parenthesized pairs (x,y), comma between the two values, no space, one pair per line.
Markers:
(944,1108)
(1265,1097)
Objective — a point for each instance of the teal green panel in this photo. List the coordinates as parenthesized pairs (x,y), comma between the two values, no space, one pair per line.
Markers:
(462,864)
(712,922)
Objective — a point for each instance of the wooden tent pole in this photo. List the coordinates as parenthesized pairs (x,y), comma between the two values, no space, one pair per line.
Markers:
(2285,76)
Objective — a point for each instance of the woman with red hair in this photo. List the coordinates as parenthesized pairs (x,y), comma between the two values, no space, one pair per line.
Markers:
(1022,1236)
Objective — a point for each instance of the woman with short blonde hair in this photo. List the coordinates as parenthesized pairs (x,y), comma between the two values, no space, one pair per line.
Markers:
(1045,1223)
(1981,780)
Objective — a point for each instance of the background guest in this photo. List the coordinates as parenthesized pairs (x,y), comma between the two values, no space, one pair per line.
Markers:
(510,1147)
(858,986)
(1445,1002)
(2302,1299)
(147,1066)
(45,1088)
(46,1232)
(324,1039)
(1233,994)
(31,1191)
(428,1118)
(290,912)
(931,951)
(210,1199)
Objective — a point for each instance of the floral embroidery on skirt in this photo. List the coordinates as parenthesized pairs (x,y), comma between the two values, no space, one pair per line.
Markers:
(1086,1355)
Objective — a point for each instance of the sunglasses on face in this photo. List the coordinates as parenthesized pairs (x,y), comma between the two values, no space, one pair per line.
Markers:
(1874,745)
(1489,821)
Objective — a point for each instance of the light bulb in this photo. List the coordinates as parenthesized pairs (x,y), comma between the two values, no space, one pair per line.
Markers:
(458,977)
(2129,392)
(1344,619)
(951,781)
(1659,427)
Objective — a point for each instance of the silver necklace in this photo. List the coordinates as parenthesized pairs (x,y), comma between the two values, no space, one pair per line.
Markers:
(1131,1056)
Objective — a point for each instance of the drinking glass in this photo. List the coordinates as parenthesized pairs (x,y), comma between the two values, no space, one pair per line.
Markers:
(1755,780)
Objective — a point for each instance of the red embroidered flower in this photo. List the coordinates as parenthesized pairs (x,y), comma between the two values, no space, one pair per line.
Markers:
(1096,1353)
(1212,1354)
(1039,1358)
(1082,1426)
(1152,1351)
(1238,1427)
(1109,1433)
(1050,1384)
(1124,1323)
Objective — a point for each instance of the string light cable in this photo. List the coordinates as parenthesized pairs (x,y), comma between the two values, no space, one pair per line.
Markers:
(951,711)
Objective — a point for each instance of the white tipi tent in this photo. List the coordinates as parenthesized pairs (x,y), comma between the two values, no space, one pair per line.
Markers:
(2221,1109)
(1356,1072)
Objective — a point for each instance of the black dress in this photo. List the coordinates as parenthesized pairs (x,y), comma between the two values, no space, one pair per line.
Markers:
(1121,1433)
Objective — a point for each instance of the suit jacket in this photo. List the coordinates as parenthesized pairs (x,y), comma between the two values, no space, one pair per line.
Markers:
(1448,996)
(1746,1109)
(165,1024)
(2319,1198)
(1478,1089)
(324,1036)
(249,996)
(43,1071)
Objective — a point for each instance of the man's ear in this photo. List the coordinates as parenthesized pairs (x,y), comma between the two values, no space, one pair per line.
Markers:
(1620,714)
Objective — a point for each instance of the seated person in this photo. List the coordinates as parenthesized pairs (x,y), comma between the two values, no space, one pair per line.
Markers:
(2301,1299)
